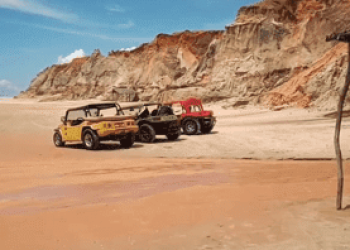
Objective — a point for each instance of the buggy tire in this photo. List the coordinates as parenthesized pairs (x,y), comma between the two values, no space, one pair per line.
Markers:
(165,110)
(90,140)
(191,127)
(128,141)
(147,133)
(207,130)
(173,137)
(57,139)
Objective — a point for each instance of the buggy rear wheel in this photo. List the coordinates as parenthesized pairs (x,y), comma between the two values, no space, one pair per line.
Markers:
(90,140)
(128,141)
(165,110)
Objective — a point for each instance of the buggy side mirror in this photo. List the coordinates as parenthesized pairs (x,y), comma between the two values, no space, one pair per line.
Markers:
(63,119)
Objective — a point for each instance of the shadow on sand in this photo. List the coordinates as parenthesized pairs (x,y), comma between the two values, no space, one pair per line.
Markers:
(347,207)
(104,146)
(333,115)
(211,133)
(156,141)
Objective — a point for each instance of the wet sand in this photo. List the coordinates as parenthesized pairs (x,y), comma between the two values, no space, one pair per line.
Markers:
(112,198)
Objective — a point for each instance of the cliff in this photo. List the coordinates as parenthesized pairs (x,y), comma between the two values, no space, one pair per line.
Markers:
(273,54)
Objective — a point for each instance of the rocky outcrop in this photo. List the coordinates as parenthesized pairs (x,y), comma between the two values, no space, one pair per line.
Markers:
(318,84)
(275,45)
(152,71)
(273,54)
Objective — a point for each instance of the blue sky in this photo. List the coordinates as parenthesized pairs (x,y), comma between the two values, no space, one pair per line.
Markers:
(38,33)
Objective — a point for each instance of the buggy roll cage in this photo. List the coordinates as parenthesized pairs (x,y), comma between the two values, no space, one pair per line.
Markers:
(98,106)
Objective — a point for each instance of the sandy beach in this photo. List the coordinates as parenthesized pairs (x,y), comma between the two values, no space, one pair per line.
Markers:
(244,186)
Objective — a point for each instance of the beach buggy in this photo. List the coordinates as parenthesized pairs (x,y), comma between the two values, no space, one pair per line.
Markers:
(194,119)
(153,118)
(94,123)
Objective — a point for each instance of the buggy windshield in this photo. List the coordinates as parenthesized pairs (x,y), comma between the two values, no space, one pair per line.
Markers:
(104,110)
(195,108)
(139,109)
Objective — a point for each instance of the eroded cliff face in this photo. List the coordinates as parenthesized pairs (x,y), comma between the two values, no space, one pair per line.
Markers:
(150,72)
(273,54)
(273,45)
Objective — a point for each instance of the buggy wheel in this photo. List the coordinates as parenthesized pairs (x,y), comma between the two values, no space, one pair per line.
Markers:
(147,133)
(207,130)
(128,141)
(173,137)
(90,140)
(165,110)
(191,127)
(57,140)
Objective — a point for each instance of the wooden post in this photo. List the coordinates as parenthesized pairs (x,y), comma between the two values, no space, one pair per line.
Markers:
(337,134)
(342,37)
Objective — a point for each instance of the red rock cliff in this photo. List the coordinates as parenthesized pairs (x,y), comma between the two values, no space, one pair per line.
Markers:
(273,54)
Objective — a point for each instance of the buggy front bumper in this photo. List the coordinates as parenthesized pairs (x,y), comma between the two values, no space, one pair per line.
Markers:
(209,122)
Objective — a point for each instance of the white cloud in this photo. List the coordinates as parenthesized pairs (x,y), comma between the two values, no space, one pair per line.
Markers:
(75,32)
(97,25)
(100,36)
(36,8)
(127,25)
(70,57)
(81,33)
(128,49)
(8,85)
(116,8)
(7,88)
(32,7)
